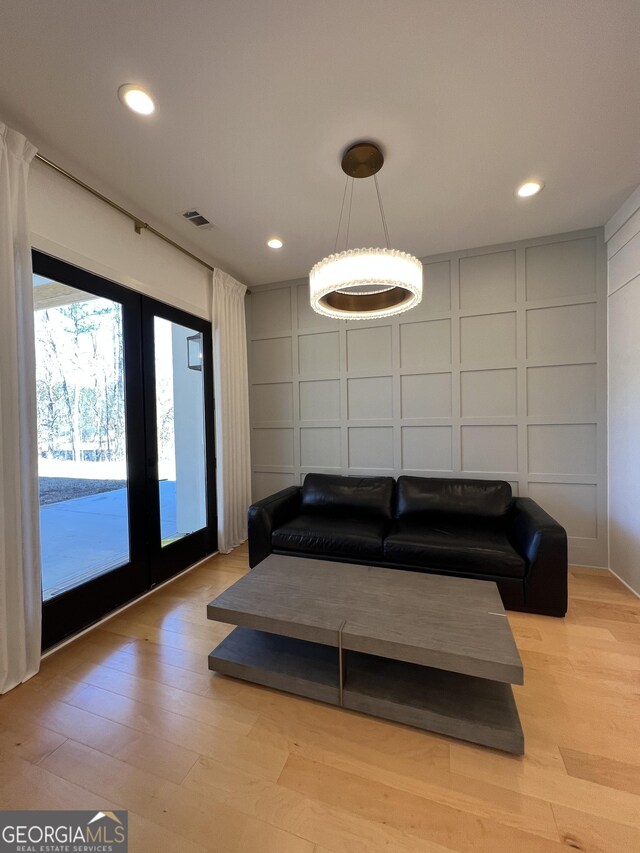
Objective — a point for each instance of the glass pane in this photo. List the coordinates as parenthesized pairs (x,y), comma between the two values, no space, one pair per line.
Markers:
(82,460)
(181,435)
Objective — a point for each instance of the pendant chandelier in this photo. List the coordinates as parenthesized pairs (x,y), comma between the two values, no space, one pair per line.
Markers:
(360,284)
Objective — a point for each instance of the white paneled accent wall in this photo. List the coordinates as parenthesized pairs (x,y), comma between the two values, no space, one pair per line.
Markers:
(622,233)
(499,373)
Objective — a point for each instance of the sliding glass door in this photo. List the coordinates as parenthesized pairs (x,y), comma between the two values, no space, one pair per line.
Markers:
(125,443)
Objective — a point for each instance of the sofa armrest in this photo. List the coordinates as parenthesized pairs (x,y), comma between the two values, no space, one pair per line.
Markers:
(542,542)
(265,516)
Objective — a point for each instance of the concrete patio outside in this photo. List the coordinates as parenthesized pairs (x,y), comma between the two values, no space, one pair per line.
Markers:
(89,535)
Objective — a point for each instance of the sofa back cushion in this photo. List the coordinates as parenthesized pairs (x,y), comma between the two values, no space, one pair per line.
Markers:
(482,498)
(356,495)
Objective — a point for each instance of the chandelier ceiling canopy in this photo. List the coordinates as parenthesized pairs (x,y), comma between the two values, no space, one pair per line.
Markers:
(364,283)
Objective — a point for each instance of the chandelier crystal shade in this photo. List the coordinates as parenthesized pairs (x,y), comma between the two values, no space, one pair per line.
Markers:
(365,283)
(370,283)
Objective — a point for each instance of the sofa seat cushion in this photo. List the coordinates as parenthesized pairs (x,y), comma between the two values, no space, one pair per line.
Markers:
(453,544)
(337,536)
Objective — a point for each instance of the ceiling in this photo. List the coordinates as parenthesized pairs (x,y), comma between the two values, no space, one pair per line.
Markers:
(258,98)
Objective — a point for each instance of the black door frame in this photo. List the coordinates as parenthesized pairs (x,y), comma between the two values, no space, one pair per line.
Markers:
(167,560)
(149,563)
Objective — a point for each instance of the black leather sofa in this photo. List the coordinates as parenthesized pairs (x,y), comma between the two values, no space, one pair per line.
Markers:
(468,528)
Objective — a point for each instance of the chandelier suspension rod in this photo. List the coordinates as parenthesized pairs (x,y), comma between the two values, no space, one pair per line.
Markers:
(346,242)
(344,195)
(382,216)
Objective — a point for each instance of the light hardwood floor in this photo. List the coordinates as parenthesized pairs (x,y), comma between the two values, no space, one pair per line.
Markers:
(128,716)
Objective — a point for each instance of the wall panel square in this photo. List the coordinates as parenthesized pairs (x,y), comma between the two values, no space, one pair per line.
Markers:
(271,312)
(272,447)
(425,395)
(265,483)
(562,449)
(488,281)
(625,264)
(271,360)
(319,354)
(370,398)
(426,448)
(320,447)
(567,333)
(561,269)
(320,400)
(272,402)
(425,346)
(436,292)
(489,393)
(369,349)
(371,447)
(490,448)
(488,340)
(562,391)
(573,505)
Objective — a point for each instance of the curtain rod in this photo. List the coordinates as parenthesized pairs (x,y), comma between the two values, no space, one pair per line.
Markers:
(138,223)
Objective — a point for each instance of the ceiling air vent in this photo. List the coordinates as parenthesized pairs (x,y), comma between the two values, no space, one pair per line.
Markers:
(197,219)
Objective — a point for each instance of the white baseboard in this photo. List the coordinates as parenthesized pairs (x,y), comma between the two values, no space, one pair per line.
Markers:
(124,607)
(624,583)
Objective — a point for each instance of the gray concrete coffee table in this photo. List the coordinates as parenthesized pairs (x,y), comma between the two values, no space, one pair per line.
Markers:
(430,651)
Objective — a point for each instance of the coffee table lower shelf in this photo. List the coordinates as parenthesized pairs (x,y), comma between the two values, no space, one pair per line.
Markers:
(460,706)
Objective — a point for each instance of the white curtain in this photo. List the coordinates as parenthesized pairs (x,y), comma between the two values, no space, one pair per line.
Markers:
(232,409)
(20,584)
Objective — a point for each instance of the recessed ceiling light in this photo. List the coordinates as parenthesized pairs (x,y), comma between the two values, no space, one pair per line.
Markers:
(529,188)
(274,243)
(136,99)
